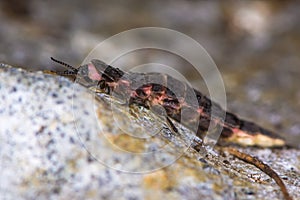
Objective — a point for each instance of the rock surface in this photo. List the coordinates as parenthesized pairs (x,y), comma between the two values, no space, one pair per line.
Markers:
(57,141)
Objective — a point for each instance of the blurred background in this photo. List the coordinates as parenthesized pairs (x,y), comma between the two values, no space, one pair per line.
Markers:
(255,44)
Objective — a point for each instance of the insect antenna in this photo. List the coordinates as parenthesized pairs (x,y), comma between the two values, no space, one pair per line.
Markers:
(75,71)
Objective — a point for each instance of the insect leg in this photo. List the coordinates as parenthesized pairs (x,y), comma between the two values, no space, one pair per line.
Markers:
(171,125)
(263,167)
(103,86)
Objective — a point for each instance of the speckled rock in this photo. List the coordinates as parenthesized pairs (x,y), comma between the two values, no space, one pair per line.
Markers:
(57,141)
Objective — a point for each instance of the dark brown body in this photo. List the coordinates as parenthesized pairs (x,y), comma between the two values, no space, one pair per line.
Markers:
(188,106)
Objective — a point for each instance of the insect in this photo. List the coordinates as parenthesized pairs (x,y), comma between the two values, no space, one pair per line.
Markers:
(103,78)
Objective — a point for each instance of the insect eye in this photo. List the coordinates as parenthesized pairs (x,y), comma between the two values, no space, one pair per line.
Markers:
(83,72)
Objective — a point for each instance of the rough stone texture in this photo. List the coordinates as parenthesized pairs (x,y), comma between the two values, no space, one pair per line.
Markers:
(57,141)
